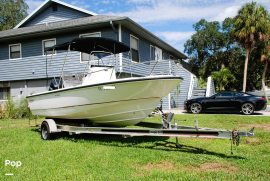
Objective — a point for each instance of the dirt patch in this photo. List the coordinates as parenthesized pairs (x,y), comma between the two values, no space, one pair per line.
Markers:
(265,127)
(212,167)
(147,168)
(253,141)
(164,165)
(168,166)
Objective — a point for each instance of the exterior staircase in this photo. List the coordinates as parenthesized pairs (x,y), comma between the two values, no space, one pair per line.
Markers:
(198,93)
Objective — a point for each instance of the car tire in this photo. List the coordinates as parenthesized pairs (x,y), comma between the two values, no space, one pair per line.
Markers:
(247,108)
(196,108)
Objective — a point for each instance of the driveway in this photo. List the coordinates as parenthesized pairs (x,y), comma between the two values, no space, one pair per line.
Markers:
(257,113)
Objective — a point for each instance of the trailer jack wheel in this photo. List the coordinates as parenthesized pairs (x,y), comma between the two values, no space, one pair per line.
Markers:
(45,131)
(177,143)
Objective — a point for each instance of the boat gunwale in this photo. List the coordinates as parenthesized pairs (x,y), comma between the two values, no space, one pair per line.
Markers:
(125,80)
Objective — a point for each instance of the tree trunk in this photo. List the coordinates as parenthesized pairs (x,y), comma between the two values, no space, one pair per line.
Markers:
(263,78)
(245,70)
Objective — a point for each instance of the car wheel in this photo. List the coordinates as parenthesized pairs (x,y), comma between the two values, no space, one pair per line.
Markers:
(196,108)
(247,108)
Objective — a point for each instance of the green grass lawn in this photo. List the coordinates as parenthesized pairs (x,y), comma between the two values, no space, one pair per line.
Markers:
(96,157)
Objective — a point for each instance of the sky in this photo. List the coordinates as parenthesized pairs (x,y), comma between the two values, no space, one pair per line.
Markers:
(171,20)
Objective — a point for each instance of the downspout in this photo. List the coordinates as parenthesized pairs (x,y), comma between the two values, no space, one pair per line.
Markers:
(120,54)
(119,38)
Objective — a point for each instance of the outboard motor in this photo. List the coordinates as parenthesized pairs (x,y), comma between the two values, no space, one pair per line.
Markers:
(56,83)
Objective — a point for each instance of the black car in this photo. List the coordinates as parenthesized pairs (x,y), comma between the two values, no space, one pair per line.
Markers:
(228,101)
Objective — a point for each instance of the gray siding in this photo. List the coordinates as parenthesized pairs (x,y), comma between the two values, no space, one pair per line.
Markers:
(144,45)
(48,15)
(180,93)
(33,63)
(26,87)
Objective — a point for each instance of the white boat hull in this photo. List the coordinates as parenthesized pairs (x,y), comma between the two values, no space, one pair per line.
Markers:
(119,103)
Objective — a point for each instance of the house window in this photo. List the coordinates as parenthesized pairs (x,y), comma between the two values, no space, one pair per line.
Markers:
(4,93)
(152,52)
(47,44)
(15,51)
(86,56)
(155,53)
(134,45)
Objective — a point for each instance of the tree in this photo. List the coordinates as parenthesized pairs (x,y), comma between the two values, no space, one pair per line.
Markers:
(222,78)
(202,47)
(11,13)
(213,47)
(250,25)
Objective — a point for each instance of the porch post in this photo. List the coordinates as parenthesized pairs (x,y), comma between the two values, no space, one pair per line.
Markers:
(120,54)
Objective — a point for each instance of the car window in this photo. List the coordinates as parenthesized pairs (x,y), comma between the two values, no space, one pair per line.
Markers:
(224,94)
(239,94)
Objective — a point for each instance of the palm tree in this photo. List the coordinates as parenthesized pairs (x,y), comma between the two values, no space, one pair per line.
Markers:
(265,57)
(250,25)
(222,78)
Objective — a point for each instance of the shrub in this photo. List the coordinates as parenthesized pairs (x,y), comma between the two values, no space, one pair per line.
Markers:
(17,110)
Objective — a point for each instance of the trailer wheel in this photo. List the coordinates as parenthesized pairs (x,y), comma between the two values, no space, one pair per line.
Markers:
(45,131)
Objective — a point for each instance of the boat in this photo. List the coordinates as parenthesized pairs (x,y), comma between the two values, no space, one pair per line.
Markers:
(100,97)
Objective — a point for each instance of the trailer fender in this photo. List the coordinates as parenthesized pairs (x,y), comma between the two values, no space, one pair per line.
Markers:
(52,125)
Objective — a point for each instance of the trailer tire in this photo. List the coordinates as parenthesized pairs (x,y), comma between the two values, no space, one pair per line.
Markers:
(46,132)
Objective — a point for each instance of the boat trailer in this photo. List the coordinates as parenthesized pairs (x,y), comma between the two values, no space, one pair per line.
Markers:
(50,127)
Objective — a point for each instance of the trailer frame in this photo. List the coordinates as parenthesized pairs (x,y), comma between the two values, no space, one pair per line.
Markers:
(50,127)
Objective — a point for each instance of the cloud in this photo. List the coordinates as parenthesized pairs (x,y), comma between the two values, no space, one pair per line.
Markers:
(80,3)
(33,4)
(153,11)
(167,11)
(175,36)
(227,12)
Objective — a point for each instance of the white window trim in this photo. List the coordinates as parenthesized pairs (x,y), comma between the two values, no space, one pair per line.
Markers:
(43,53)
(87,34)
(159,60)
(20,51)
(138,48)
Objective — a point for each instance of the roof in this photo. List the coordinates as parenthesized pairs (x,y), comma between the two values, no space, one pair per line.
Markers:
(48,3)
(86,23)
(55,26)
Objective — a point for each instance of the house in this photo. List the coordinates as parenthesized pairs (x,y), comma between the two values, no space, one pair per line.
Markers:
(25,69)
